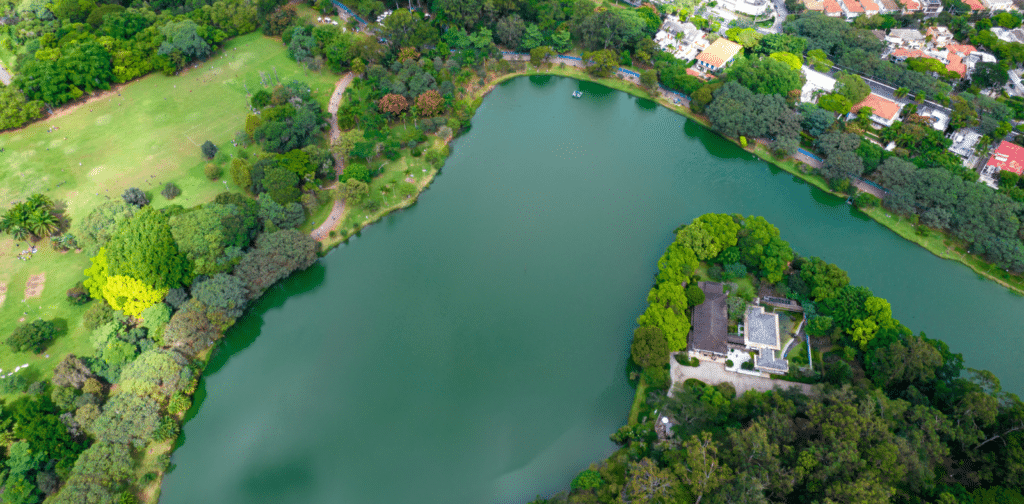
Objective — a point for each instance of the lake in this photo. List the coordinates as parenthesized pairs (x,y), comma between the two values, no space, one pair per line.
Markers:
(472,349)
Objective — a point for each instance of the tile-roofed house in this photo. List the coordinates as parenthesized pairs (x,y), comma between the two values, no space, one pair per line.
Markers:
(901,54)
(883,110)
(851,8)
(911,6)
(1008,156)
(956,64)
(889,6)
(975,5)
(879,34)
(940,35)
(815,5)
(719,54)
(761,329)
(870,7)
(833,9)
(710,322)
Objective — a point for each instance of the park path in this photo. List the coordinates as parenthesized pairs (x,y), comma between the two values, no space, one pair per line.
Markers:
(713,373)
(332,221)
(5,75)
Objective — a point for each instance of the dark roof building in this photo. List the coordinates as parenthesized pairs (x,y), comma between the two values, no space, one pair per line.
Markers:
(761,330)
(710,323)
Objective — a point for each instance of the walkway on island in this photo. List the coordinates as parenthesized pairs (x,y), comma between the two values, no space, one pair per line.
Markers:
(334,219)
(713,373)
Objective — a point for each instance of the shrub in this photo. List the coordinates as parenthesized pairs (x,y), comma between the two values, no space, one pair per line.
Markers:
(78,295)
(36,335)
(587,480)
(681,358)
(209,149)
(694,362)
(171,191)
(866,200)
(212,171)
(135,197)
(748,365)
(15,384)
(179,403)
(728,363)
(657,377)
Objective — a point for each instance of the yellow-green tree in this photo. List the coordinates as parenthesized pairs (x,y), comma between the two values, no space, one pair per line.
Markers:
(131,295)
(96,275)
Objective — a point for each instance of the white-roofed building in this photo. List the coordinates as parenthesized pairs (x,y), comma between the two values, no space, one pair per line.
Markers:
(817,83)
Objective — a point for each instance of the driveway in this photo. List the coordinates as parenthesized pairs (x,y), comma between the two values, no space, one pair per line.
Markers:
(714,373)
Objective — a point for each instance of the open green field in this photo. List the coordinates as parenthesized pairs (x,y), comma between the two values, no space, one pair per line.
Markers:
(144,134)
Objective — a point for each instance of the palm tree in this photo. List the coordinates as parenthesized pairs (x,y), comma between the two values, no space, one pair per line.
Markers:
(19,232)
(42,223)
(37,201)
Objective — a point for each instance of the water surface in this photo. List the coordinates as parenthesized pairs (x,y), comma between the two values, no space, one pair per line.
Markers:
(472,349)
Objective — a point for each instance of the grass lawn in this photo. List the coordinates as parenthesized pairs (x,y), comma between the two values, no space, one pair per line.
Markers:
(638,402)
(144,137)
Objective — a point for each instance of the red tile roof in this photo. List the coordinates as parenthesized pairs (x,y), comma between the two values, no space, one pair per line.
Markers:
(814,5)
(719,52)
(961,49)
(832,7)
(974,5)
(881,107)
(853,6)
(1009,156)
(956,64)
(869,6)
(911,5)
(909,53)
(694,73)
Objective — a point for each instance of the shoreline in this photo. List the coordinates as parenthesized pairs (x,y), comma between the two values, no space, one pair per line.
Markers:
(789,166)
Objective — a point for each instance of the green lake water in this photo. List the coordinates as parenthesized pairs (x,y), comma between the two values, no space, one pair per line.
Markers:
(472,349)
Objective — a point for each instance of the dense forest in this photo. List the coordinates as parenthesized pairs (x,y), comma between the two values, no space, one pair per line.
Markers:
(894,417)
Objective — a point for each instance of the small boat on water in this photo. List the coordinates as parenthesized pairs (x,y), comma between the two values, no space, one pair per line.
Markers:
(577,94)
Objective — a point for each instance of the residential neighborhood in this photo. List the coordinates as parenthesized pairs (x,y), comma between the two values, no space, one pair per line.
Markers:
(716,35)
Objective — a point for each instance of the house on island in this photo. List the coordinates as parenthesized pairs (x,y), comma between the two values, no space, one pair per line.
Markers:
(718,55)
(761,334)
(710,339)
(883,110)
(1008,156)
(710,325)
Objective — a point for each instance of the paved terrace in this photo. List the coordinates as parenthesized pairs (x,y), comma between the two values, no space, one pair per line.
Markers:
(714,373)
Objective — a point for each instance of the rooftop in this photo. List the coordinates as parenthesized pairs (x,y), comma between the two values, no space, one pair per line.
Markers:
(975,5)
(767,361)
(1008,156)
(761,328)
(720,52)
(911,5)
(964,142)
(906,33)
(890,5)
(710,320)
(881,107)
(869,5)
(832,7)
(853,6)
(814,5)
(815,80)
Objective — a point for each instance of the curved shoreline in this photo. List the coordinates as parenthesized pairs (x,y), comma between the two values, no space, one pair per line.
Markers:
(787,164)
